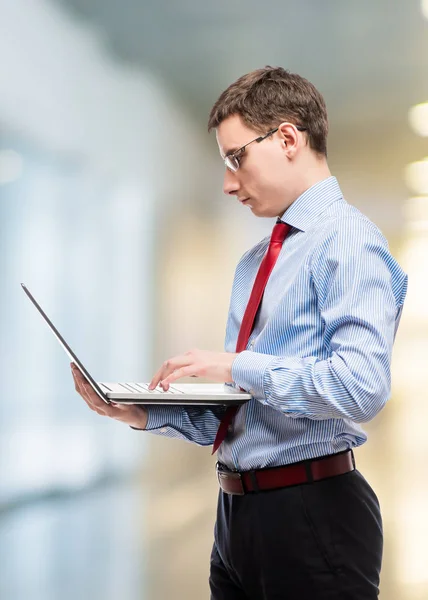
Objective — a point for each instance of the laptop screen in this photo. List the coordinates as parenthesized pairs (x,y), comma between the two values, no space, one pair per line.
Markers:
(67,348)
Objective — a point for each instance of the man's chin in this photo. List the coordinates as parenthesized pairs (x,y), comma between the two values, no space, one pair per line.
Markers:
(258,211)
(255,208)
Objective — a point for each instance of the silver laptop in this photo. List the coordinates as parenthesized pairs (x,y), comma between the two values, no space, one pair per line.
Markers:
(139,393)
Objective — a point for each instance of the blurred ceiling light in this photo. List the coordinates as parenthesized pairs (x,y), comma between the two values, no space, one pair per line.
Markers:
(416,209)
(416,175)
(424,8)
(10,166)
(415,227)
(418,117)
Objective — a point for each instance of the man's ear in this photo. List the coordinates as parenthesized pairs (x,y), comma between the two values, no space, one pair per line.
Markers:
(289,135)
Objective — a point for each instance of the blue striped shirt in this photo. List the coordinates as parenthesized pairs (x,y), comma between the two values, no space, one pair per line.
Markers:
(318,361)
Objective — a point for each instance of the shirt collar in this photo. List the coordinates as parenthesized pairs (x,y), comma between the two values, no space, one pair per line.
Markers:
(309,205)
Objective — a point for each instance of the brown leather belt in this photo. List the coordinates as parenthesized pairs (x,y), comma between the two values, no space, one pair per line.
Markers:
(307,471)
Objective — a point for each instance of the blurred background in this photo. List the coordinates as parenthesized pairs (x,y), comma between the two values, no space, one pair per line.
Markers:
(112,213)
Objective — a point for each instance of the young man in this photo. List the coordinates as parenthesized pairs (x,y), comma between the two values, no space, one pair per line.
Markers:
(313,316)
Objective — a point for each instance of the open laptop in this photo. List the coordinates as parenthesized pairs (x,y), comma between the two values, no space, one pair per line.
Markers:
(138,393)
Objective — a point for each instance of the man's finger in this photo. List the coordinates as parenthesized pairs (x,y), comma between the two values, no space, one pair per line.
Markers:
(155,379)
(80,389)
(84,389)
(191,370)
(88,395)
(169,367)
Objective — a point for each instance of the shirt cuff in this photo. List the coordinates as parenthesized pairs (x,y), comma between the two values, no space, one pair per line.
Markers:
(248,371)
(163,418)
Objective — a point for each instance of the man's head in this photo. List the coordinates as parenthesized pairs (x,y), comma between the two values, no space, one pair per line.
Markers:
(284,118)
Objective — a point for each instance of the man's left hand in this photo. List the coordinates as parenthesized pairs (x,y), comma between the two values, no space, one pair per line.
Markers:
(195,363)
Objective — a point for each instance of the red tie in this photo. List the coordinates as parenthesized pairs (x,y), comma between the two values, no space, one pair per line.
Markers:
(279,233)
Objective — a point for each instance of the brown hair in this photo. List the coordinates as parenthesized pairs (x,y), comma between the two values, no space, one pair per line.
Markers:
(266,97)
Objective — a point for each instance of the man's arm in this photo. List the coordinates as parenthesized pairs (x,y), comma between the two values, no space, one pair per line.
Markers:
(360,289)
(194,424)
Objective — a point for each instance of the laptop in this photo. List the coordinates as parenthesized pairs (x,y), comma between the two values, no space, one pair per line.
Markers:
(198,394)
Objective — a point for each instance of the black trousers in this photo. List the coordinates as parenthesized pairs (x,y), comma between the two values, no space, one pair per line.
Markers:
(315,541)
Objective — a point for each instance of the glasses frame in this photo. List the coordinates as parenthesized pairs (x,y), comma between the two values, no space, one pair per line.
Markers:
(231,160)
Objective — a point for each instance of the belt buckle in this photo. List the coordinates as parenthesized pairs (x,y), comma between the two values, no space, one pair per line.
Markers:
(353,459)
(225,475)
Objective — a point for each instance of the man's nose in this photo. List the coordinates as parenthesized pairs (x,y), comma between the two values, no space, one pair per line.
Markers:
(230,183)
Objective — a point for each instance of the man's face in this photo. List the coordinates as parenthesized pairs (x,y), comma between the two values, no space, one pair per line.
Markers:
(265,180)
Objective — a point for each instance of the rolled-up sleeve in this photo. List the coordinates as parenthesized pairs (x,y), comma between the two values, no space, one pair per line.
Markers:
(360,289)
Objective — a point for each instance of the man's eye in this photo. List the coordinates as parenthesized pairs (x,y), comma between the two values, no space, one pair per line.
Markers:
(238,156)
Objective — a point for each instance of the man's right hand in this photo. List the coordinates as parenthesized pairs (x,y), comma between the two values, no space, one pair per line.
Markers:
(134,415)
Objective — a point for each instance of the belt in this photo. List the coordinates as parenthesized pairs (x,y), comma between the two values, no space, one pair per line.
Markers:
(307,471)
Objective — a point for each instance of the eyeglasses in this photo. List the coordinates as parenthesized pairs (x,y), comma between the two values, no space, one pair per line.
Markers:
(233,159)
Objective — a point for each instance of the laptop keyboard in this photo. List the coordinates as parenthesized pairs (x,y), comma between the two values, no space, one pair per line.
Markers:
(138,388)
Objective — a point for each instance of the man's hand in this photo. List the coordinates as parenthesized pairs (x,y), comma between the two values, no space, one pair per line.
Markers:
(195,363)
(131,414)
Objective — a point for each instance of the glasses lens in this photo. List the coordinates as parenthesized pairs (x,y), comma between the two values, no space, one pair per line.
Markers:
(231,163)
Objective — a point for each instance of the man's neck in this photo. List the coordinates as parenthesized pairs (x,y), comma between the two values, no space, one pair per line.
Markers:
(314,173)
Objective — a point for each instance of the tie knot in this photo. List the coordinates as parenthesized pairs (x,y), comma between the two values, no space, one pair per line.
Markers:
(279,232)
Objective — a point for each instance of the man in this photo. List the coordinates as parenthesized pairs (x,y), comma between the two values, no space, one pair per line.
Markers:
(313,316)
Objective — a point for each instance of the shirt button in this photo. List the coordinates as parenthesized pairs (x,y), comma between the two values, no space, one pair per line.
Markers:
(163,430)
(230,428)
